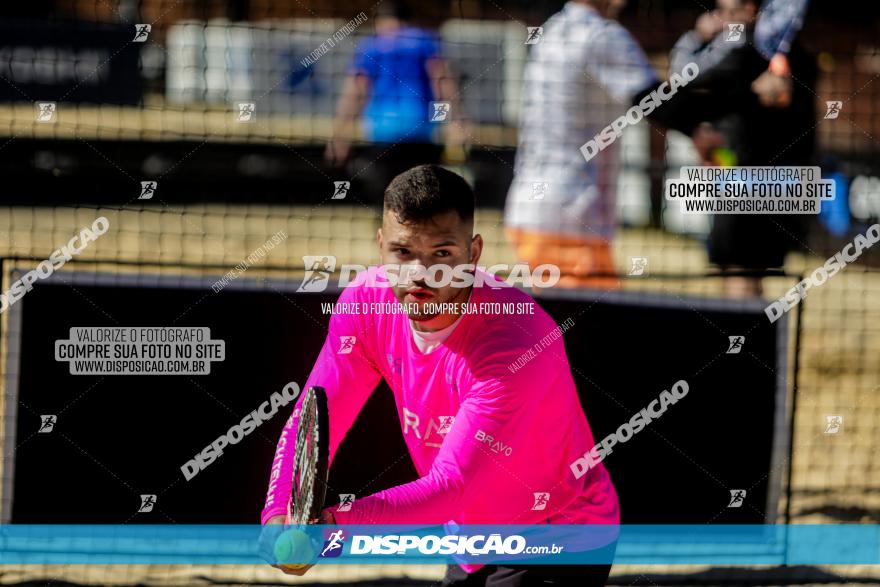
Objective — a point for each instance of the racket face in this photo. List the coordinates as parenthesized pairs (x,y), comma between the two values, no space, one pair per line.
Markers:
(310,459)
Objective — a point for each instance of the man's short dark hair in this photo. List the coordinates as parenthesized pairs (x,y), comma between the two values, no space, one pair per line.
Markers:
(420,193)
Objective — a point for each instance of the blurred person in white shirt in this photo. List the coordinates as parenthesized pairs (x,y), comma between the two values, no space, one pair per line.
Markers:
(586,71)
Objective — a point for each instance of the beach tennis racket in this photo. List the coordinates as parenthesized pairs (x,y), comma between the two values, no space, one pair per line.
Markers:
(310,465)
(309,488)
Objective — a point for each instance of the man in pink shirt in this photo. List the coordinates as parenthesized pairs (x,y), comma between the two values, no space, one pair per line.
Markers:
(489,421)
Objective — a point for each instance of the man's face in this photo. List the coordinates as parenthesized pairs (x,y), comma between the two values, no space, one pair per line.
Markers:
(446,240)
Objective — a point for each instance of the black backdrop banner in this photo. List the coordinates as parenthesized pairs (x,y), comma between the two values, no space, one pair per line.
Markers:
(60,61)
(122,436)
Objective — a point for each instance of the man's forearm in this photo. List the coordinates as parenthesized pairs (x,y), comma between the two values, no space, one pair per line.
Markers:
(350,105)
(280,478)
(685,51)
(683,111)
(432,498)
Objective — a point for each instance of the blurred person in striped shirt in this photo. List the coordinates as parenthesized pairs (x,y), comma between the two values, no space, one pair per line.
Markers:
(586,72)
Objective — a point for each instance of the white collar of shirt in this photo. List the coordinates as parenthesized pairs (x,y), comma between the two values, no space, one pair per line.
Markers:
(426,342)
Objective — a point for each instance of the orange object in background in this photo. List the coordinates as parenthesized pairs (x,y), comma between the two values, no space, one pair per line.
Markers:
(579,258)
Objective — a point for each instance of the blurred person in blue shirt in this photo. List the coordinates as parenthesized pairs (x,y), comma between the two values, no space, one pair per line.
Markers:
(396,76)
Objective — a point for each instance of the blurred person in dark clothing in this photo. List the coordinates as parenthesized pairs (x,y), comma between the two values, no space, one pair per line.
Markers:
(396,76)
(755,132)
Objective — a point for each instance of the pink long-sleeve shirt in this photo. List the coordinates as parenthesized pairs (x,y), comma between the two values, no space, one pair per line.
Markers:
(487,423)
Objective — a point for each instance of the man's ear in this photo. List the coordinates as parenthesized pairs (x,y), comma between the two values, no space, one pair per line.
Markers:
(476,249)
(379,237)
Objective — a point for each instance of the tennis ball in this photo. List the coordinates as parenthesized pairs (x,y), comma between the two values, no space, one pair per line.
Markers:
(293,545)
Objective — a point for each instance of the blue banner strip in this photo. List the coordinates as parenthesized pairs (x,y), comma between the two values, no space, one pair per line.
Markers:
(464,544)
